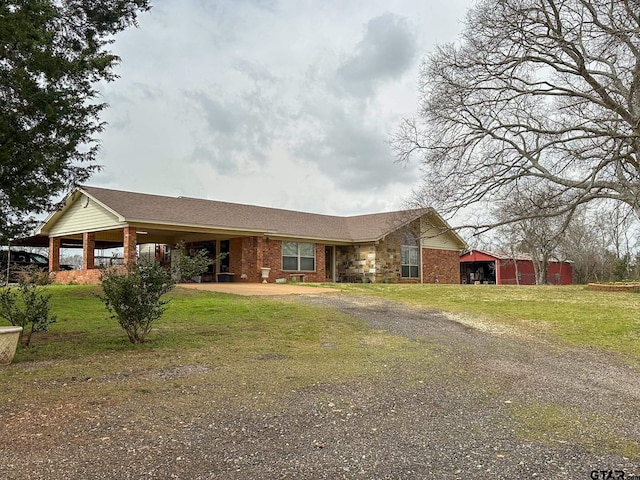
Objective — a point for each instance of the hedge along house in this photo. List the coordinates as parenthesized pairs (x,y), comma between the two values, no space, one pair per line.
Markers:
(479,266)
(405,246)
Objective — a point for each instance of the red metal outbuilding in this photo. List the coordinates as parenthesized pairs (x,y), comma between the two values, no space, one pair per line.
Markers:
(479,266)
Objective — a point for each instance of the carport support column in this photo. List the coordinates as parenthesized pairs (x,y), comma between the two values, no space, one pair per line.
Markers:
(88,250)
(129,245)
(54,254)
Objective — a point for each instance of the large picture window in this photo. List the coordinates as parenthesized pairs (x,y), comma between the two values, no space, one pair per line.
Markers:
(410,262)
(299,256)
(410,255)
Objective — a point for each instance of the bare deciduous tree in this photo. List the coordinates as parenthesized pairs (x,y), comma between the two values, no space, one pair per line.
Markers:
(598,239)
(538,232)
(540,89)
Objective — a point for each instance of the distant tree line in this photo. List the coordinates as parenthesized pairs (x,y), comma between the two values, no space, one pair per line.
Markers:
(600,240)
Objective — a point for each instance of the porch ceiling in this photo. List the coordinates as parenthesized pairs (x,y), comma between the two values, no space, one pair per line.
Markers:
(115,238)
(42,241)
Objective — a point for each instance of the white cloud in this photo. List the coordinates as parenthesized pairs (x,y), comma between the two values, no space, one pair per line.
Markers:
(281,103)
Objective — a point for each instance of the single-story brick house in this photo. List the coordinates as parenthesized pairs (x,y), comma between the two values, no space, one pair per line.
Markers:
(415,246)
(506,269)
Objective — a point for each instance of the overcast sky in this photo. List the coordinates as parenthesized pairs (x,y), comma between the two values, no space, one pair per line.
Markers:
(282,103)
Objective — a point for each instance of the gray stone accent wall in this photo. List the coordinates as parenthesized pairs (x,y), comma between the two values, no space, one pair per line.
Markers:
(381,262)
(356,263)
(388,259)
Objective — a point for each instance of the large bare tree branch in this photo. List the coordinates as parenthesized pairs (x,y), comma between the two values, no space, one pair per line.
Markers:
(540,89)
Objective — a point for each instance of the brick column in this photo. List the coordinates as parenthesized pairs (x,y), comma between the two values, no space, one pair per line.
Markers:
(260,258)
(88,250)
(54,254)
(129,245)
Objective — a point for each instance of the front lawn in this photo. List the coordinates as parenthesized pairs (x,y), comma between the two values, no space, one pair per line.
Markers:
(195,319)
(215,335)
(571,314)
(299,344)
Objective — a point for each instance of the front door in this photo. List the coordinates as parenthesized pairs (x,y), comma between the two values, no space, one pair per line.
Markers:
(328,264)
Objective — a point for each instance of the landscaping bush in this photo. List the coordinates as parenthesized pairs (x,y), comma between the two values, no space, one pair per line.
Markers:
(34,275)
(189,266)
(134,297)
(27,308)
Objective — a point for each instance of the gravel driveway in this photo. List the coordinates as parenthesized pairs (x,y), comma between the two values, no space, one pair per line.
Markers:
(496,404)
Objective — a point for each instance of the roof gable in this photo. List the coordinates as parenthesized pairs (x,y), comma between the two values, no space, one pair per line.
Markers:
(80,213)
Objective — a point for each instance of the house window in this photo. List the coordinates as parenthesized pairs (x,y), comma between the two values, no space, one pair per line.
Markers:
(410,262)
(299,256)
(410,256)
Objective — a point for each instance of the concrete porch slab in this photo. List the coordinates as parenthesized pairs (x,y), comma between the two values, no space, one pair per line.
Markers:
(259,289)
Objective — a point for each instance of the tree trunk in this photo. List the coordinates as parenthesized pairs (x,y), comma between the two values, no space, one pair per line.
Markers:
(540,267)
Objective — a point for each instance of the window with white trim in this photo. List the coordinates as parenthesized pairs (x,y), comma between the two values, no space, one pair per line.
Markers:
(409,256)
(410,262)
(299,256)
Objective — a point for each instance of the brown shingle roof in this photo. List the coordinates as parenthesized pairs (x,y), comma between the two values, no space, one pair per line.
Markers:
(146,208)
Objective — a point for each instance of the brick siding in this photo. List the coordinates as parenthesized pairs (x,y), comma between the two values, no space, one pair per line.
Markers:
(440,266)
(81,277)
(129,242)
(88,250)
(247,255)
(54,254)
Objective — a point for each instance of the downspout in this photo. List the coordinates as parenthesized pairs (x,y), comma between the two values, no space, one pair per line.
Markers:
(497,262)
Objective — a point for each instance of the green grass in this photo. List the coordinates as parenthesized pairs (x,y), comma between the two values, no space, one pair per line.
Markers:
(570,314)
(195,319)
(553,424)
(244,344)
